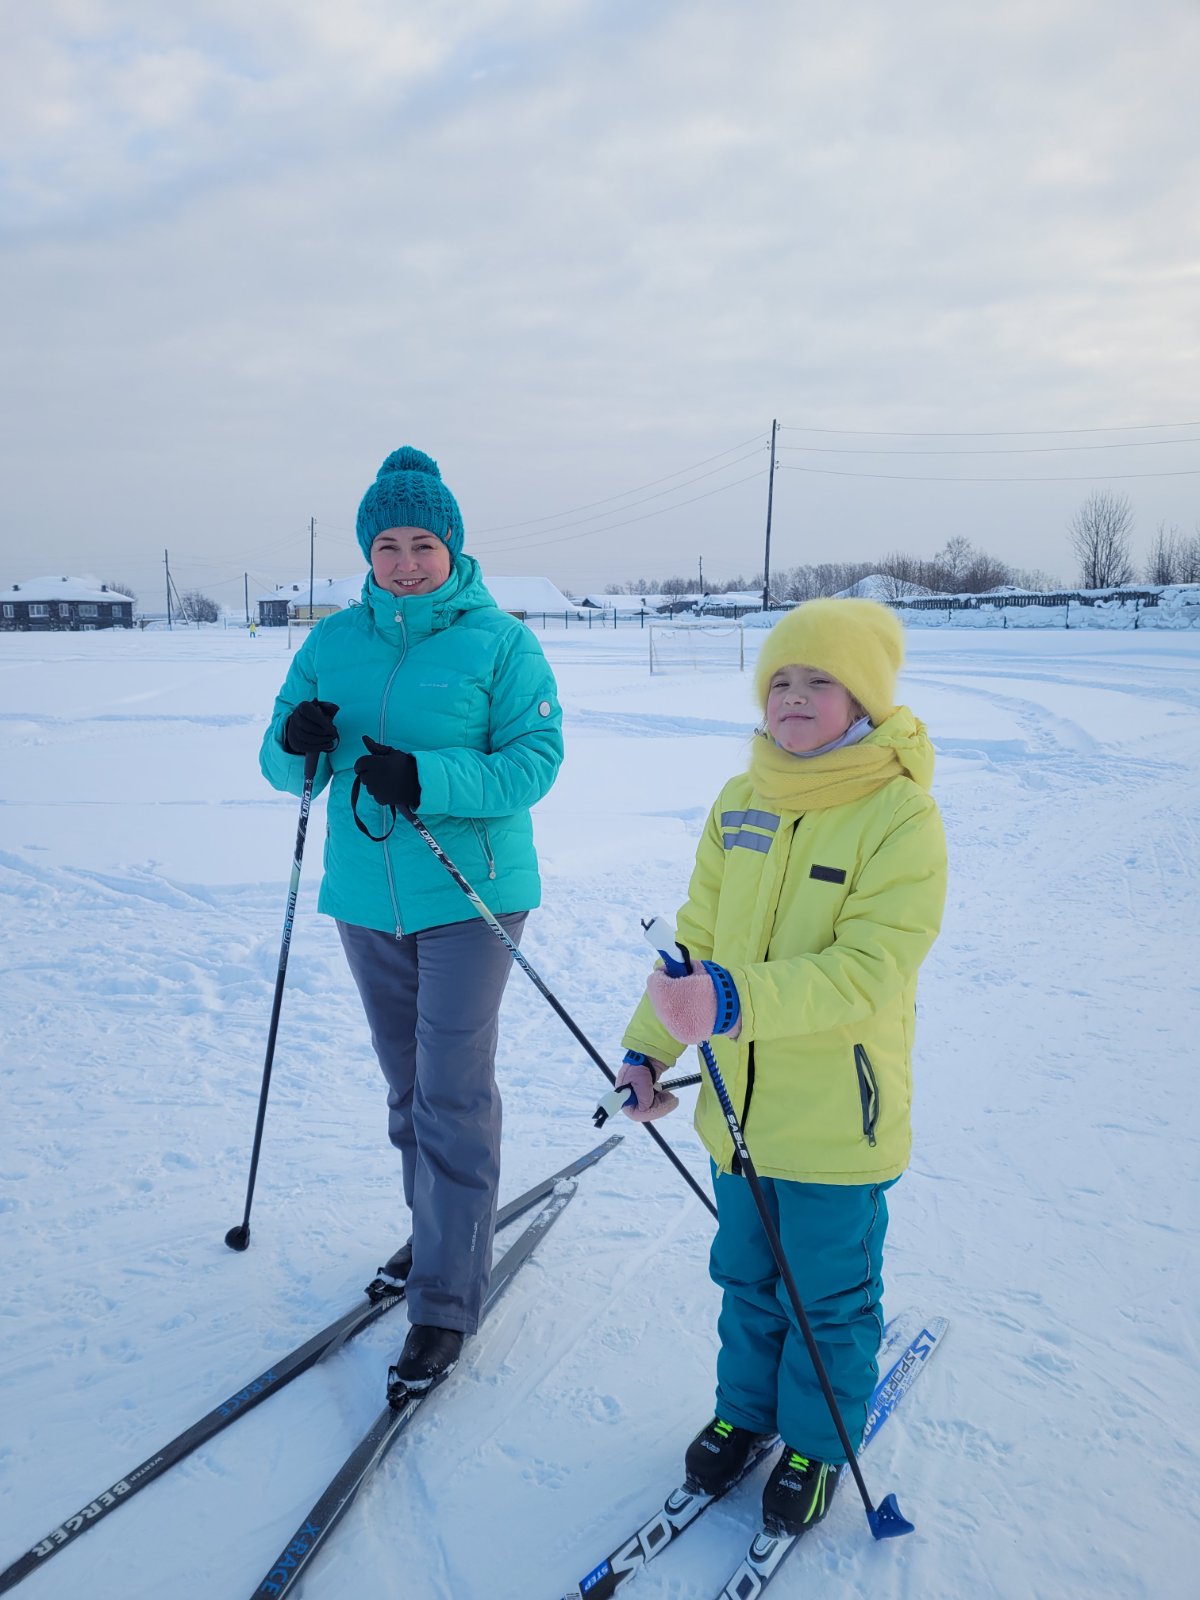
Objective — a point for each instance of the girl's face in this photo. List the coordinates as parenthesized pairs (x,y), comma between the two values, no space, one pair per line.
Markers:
(409,561)
(807,708)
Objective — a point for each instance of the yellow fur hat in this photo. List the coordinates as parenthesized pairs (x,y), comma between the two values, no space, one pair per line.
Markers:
(860,642)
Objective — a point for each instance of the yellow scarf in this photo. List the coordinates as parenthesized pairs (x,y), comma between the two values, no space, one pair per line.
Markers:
(898,747)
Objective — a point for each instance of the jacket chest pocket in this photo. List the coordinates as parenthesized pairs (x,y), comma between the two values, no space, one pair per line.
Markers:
(868,1092)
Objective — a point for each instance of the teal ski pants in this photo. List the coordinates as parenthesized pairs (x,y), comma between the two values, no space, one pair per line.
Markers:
(832,1237)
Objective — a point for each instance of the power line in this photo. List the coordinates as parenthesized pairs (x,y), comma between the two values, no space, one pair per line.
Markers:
(571,510)
(913,477)
(538,541)
(979,433)
(657,495)
(1004,450)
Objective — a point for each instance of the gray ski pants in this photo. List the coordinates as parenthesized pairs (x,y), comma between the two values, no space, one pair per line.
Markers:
(432,1001)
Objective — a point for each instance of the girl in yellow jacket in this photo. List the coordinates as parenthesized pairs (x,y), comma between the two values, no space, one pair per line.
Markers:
(817,893)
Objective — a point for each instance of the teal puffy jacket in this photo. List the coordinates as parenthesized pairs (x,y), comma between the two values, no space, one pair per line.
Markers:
(464,687)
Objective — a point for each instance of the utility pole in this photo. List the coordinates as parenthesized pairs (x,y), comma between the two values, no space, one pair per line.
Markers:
(702,577)
(766,605)
(167,564)
(312,534)
(246,592)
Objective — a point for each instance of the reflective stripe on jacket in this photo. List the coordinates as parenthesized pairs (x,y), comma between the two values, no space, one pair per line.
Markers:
(823,920)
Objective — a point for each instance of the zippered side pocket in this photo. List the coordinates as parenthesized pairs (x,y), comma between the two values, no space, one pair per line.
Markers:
(485,844)
(868,1092)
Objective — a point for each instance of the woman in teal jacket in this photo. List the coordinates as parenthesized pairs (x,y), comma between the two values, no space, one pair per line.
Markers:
(426,696)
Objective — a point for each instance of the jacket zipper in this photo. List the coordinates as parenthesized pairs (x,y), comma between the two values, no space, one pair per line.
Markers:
(387,689)
(485,844)
(868,1092)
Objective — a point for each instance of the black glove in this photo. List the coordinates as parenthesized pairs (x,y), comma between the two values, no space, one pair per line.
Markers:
(389,776)
(310,730)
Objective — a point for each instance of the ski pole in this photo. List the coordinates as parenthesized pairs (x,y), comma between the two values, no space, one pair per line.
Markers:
(616,1099)
(238,1238)
(515,952)
(886,1520)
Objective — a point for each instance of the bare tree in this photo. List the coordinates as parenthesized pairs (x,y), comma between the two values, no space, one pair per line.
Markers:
(902,574)
(198,607)
(985,573)
(795,584)
(122,588)
(1100,532)
(953,563)
(1033,578)
(1166,556)
(1189,561)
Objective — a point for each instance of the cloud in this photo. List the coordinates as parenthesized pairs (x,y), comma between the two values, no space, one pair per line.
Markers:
(572,247)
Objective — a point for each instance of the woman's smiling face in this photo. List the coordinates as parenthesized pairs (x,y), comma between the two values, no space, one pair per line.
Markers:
(808,708)
(409,561)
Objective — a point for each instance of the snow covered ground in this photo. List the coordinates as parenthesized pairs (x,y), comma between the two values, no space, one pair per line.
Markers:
(1050,1211)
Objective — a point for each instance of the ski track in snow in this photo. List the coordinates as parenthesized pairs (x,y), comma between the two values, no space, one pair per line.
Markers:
(1049,1212)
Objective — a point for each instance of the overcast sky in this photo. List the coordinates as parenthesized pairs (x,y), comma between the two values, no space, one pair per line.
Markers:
(582,252)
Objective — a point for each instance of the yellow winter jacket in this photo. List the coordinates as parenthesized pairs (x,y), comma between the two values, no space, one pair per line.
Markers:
(822,918)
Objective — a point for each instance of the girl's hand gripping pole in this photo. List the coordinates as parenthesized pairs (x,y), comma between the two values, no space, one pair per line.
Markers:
(617,1099)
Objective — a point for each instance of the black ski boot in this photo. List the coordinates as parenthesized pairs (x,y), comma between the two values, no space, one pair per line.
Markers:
(717,1456)
(429,1355)
(797,1494)
(398,1266)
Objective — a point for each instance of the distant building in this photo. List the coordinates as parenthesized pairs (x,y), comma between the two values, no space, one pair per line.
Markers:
(62,605)
(291,600)
(528,597)
(523,597)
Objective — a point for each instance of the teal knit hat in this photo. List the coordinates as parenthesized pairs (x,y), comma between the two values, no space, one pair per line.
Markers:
(408,492)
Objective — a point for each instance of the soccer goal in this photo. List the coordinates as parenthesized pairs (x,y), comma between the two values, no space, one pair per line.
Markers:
(693,646)
(299,627)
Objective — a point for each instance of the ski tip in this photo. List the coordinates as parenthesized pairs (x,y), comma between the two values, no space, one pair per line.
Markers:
(887,1521)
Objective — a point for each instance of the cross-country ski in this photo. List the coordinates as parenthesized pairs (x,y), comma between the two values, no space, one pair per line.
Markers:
(381,1297)
(769,1549)
(905,1348)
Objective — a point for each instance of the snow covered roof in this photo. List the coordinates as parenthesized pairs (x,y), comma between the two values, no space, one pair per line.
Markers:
(876,587)
(527,594)
(56,588)
(325,592)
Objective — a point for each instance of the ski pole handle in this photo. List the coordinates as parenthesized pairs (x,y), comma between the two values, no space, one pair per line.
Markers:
(617,1099)
(661,935)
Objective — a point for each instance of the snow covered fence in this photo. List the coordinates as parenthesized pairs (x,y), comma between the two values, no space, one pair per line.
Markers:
(1171,606)
(586,619)
(1177,607)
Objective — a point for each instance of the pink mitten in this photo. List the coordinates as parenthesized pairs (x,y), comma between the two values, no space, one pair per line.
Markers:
(686,1007)
(693,1008)
(651,1102)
